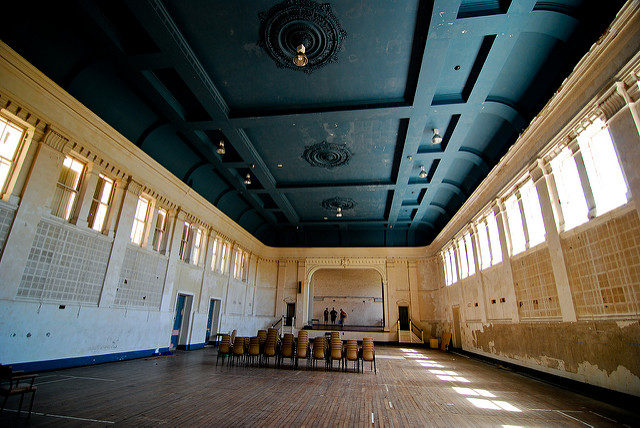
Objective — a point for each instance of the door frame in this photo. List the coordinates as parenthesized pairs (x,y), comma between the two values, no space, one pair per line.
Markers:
(215,318)
(187,318)
(457,327)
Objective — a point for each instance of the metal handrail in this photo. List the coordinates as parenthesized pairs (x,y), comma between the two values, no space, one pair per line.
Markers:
(276,323)
(412,325)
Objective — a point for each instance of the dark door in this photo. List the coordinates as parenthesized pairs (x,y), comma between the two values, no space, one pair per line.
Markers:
(403,316)
(177,321)
(291,312)
(457,337)
(212,305)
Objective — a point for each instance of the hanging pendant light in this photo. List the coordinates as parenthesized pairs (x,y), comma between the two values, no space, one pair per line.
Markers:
(339,212)
(423,172)
(300,59)
(221,149)
(436,139)
(247,179)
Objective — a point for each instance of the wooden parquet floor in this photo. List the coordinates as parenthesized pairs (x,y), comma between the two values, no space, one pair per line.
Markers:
(413,387)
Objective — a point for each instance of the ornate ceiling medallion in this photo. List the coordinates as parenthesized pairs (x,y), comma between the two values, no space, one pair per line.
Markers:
(305,27)
(327,155)
(334,203)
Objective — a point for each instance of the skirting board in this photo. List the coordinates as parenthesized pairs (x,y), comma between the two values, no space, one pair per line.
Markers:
(38,366)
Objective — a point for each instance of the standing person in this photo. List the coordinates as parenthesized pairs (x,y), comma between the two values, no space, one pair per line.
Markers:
(334,314)
(326,315)
(343,316)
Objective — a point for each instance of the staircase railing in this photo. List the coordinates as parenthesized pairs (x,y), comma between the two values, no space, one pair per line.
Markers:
(413,327)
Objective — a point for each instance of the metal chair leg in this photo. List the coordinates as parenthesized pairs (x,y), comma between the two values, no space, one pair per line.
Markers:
(33,395)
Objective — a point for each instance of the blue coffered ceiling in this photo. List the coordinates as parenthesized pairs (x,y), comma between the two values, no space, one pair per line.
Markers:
(177,77)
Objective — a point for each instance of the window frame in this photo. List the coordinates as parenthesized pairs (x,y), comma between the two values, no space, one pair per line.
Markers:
(70,210)
(137,221)
(15,163)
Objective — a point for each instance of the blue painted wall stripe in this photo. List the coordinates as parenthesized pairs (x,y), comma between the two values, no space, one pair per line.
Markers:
(38,366)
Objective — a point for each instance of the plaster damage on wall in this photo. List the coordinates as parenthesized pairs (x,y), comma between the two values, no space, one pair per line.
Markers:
(597,352)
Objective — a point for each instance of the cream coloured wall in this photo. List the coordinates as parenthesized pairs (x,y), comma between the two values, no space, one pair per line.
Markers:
(353,290)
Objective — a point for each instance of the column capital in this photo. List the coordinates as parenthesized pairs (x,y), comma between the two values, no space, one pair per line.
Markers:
(55,140)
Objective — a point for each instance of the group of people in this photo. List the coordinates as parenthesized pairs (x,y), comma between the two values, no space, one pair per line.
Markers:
(334,315)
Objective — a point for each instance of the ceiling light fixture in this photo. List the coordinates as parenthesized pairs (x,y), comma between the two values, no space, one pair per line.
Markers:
(220,149)
(339,212)
(423,172)
(300,59)
(436,139)
(247,179)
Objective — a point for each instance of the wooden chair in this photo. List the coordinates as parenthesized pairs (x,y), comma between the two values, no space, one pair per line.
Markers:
(319,346)
(262,337)
(302,349)
(368,353)
(238,350)
(335,351)
(14,386)
(351,354)
(254,350)
(224,349)
(270,349)
(287,350)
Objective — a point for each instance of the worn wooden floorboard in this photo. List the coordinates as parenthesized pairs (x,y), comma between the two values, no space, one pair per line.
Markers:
(409,390)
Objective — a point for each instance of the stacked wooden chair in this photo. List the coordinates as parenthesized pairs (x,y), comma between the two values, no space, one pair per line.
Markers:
(335,349)
(224,350)
(368,353)
(253,352)
(270,346)
(302,348)
(16,383)
(351,354)
(319,352)
(287,349)
(238,350)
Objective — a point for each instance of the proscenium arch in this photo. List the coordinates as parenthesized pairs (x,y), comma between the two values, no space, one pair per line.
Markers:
(380,268)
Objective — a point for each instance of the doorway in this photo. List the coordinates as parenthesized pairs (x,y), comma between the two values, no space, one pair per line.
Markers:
(212,320)
(181,321)
(403,317)
(291,313)
(457,337)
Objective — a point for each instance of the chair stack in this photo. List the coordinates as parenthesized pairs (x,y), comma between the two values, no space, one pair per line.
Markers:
(302,349)
(287,349)
(368,353)
(351,354)
(254,350)
(319,345)
(270,346)
(336,349)
(238,350)
(224,349)
(262,337)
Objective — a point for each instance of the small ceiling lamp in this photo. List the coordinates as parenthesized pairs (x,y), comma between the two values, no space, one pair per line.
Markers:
(423,172)
(221,149)
(247,179)
(300,59)
(436,139)
(339,213)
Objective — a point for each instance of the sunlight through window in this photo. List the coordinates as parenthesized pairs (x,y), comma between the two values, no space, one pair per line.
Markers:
(469,391)
(482,403)
(444,372)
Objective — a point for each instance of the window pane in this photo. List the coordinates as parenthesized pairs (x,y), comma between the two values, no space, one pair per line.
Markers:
(494,239)
(139,221)
(516,230)
(64,198)
(470,260)
(572,201)
(483,240)
(462,254)
(159,232)
(10,137)
(603,169)
(196,247)
(452,262)
(214,253)
(532,212)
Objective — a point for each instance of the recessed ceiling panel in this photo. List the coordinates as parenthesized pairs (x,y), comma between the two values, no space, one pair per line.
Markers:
(357,151)
(365,205)
(372,66)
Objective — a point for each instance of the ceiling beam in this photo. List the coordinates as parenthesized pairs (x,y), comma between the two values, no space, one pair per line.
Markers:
(310,187)
(157,21)
(339,114)
(501,49)
(165,103)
